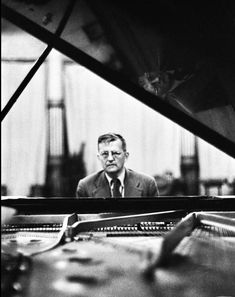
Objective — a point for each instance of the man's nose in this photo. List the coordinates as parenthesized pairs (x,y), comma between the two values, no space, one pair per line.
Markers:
(110,156)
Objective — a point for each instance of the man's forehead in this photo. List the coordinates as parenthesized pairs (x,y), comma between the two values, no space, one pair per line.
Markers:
(110,143)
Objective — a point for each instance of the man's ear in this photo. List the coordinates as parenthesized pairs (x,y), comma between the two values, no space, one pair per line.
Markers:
(98,156)
(126,155)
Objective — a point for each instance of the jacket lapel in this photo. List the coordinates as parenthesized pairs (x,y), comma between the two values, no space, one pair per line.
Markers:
(133,186)
(102,189)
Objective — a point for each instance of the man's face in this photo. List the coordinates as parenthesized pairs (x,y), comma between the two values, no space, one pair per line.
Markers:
(112,157)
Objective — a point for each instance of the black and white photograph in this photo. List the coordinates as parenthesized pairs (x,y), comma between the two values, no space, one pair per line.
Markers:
(117,148)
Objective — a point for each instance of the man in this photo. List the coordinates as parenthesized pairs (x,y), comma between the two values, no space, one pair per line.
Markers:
(115,180)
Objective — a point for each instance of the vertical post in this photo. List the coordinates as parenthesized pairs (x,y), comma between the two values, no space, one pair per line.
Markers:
(56,139)
(189,164)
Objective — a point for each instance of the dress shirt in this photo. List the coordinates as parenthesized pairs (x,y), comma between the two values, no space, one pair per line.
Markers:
(121,178)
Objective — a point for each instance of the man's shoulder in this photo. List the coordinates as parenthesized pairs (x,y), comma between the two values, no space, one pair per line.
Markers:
(144,181)
(140,175)
(91,177)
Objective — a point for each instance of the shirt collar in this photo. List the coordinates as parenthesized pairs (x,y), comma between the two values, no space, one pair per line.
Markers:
(120,177)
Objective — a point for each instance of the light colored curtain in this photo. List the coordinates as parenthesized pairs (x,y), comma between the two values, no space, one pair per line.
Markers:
(23,130)
(214,163)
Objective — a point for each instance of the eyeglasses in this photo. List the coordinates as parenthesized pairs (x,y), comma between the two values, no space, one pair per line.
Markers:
(114,154)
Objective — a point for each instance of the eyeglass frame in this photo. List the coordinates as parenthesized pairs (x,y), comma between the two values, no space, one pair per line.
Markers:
(115,154)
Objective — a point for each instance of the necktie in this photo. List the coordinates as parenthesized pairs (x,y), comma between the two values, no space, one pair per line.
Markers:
(116,188)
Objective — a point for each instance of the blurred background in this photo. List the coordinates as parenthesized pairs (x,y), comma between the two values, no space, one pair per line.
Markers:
(49,138)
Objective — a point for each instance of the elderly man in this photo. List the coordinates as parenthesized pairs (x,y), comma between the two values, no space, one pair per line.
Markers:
(115,180)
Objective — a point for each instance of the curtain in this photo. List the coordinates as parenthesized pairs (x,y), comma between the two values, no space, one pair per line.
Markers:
(214,163)
(23,130)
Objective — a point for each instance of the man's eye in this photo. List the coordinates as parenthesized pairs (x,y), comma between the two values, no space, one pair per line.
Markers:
(116,154)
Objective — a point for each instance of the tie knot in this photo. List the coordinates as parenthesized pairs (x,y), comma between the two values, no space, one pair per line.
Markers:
(116,181)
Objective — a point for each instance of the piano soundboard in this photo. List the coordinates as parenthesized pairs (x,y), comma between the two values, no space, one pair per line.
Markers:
(169,253)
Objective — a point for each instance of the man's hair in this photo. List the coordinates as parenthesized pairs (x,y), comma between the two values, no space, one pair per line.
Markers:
(108,137)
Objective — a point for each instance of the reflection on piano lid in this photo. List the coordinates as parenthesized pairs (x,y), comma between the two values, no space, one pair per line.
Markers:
(175,57)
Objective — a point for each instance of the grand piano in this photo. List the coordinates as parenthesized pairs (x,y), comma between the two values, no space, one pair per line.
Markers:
(177,58)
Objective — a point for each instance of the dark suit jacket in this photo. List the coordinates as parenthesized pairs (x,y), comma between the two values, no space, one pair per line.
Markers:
(136,185)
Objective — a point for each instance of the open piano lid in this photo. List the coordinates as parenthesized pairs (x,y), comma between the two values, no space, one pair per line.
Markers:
(176,57)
